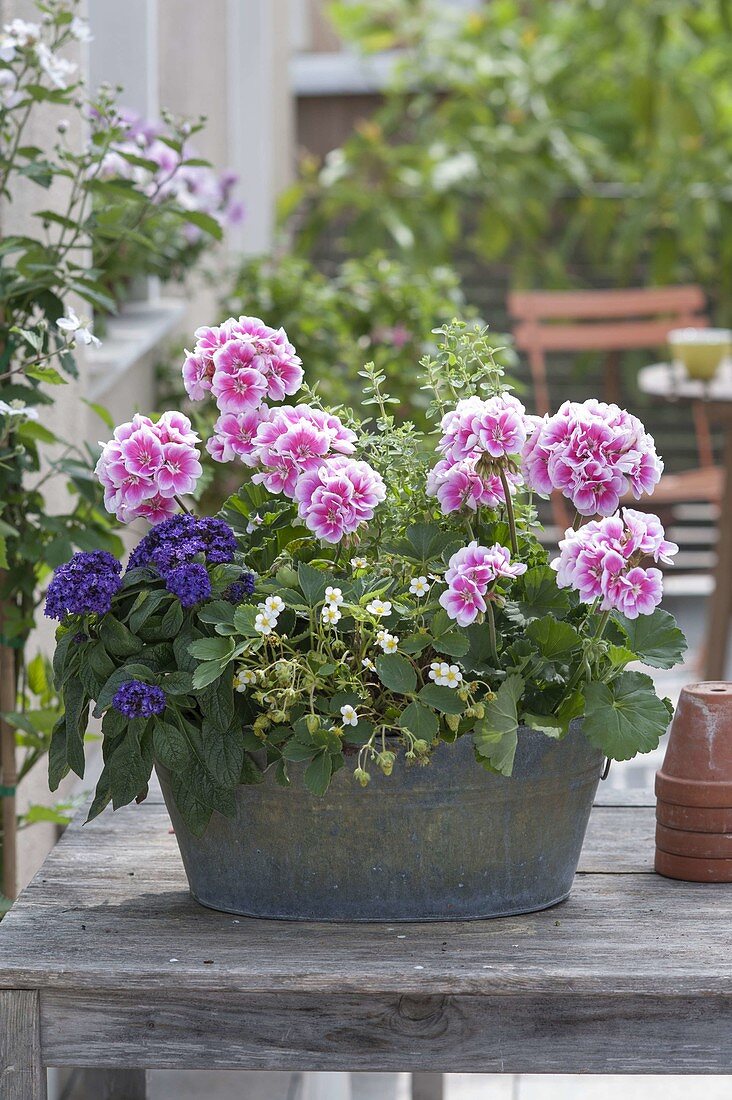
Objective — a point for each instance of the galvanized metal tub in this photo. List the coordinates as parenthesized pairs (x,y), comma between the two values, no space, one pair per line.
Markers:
(445,842)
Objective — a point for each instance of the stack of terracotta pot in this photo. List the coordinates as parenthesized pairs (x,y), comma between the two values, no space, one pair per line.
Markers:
(694,788)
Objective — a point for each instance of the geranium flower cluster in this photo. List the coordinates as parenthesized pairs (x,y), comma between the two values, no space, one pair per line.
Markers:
(472,571)
(84,585)
(476,435)
(146,465)
(240,363)
(592,453)
(602,561)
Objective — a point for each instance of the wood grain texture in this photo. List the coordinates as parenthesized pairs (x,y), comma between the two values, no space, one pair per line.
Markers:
(632,974)
(111,910)
(436,1033)
(22,1074)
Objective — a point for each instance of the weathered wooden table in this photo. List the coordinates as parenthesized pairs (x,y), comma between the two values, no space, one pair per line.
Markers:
(106,962)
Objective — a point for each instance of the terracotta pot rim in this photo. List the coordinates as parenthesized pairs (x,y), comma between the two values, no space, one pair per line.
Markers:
(690,869)
(704,793)
(683,842)
(694,819)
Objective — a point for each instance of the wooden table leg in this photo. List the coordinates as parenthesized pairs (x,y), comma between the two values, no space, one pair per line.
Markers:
(22,1073)
(428,1086)
(715,662)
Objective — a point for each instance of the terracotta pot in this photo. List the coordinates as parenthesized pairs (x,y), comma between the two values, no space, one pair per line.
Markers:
(697,769)
(693,870)
(698,845)
(695,819)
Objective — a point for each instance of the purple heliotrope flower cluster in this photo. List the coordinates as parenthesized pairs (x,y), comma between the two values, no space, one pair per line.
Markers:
(84,586)
(190,583)
(179,539)
(241,589)
(136,699)
(171,549)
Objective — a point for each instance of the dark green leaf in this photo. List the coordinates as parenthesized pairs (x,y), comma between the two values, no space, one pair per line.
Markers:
(625,717)
(555,639)
(654,639)
(442,698)
(420,721)
(495,735)
(318,773)
(396,673)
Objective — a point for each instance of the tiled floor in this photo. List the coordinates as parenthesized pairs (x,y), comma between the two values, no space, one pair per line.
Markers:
(240,1086)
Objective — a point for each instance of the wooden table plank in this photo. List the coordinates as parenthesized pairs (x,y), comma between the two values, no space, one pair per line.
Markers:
(110,910)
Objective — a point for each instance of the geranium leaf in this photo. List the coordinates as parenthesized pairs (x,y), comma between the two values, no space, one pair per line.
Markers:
(625,717)
(496,734)
(654,639)
(554,638)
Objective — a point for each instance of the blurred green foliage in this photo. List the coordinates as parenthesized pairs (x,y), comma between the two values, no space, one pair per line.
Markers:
(582,141)
(375,308)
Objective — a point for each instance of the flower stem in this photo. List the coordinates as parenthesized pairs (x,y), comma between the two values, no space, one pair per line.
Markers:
(577,676)
(185,507)
(491,620)
(509,510)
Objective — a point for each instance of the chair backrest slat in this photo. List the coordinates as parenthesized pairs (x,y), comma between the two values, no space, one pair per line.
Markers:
(608,336)
(587,304)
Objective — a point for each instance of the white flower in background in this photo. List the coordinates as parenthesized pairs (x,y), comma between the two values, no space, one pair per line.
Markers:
(275,605)
(265,622)
(9,95)
(58,70)
(445,675)
(349,715)
(244,679)
(333,596)
(255,521)
(81,30)
(330,614)
(359,563)
(419,586)
(369,664)
(78,330)
(451,170)
(18,408)
(379,608)
(334,168)
(16,36)
(388,642)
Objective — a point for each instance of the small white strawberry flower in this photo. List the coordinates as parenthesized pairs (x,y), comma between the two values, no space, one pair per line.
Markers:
(349,715)
(265,622)
(78,330)
(359,563)
(333,596)
(255,521)
(379,608)
(330,614)
(419,586)
(389,643)
(244,679)
(275,605)
(452,676)
(435,671)
(368,663)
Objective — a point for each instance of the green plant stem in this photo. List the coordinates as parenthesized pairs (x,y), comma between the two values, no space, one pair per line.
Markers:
(491,620)
(577,676)
(185,507)
(509,510)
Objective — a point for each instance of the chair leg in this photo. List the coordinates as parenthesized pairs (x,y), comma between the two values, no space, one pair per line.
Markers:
(721,601)
(428,1086)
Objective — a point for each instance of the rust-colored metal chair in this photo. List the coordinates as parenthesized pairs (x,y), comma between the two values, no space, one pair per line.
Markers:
(614,321)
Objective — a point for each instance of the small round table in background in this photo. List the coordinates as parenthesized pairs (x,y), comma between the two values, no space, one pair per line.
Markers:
(670,382)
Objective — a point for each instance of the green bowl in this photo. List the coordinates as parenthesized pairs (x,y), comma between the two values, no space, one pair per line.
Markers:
(700,351)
